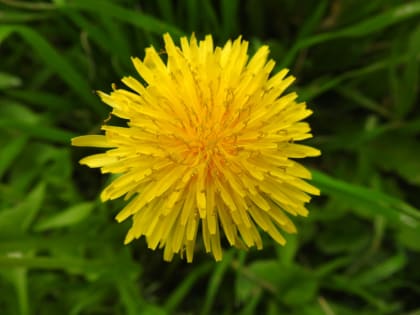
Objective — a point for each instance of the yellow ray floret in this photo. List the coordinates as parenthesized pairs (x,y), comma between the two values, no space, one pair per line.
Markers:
(208,148)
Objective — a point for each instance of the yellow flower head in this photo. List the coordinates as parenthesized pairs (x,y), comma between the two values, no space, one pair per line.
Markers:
(207,148)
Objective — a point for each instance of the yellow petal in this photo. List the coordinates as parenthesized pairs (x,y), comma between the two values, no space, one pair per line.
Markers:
(92,141)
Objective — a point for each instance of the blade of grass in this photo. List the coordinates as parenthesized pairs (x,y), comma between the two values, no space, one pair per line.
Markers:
(8,16)
(66,217)
(130,299)
(136,18)
(185,286)
(69,264)
(313,20)
(229,10)
(210,16)
(116,37)
(382,270)
(215,281)
(8,80)
(28,5)
(50,56)
(252,303)
(43,100)
(403,82)
(96,33)
(193,14)
(394,209)
(16,221)
(38,131)
(366,27)
(359,98)
(167,10)
(327,83)
(10,151)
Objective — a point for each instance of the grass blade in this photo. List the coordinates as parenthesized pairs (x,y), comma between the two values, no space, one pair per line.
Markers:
(52,58)
(136,18)
(394,209)
(366,27)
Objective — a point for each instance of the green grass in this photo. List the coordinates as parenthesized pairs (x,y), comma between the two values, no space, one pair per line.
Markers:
(357,65)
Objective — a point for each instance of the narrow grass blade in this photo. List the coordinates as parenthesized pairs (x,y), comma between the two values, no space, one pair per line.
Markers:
(52,59)
(136,18)
(376,202)
(215,282)
(38,131)
(366,27)
(9,151)
(185,286)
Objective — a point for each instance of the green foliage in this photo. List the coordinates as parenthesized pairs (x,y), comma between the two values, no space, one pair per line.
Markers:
(357,65)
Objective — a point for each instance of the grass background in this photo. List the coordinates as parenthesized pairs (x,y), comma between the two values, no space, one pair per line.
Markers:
(357,64)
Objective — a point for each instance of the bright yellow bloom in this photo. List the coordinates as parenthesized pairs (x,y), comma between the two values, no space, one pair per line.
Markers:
(208,148)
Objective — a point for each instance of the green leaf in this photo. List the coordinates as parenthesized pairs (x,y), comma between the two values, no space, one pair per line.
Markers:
(18,277)
(17,220)
(9,81)
(291,285)
(381,271)
(136,18)
(410,238)
(215,282)
(9,152)
(404,80)
(177,296)
(229,10)
(363,28)
(54,60)
(401,157)
(42,99)
(66,217)
(352,239)
(286,254)
(167,9)
(374,202)
(38,131)
(4,33)
(311,23)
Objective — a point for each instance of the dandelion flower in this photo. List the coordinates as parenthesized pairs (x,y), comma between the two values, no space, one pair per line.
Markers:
(208,148)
